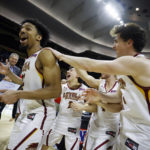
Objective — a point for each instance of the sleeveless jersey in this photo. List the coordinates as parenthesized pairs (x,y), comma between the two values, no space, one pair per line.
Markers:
(103,121)
(33,80)
(135,117)
(68,119)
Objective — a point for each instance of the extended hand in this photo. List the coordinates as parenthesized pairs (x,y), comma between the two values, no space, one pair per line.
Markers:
(76,106)
(9,97)
(57,54)
(4,69)
(92,96)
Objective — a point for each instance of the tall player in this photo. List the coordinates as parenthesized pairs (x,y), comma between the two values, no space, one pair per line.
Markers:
(104,125)
(68,121)
(135,122)
(41,83)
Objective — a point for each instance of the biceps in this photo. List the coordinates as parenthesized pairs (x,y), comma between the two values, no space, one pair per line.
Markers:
(51,75)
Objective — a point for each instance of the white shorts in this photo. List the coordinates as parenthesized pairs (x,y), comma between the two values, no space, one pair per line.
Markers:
(29,130)
(125,143)
(71,142)
(100,143)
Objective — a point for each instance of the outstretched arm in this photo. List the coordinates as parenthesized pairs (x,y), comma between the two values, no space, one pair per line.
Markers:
(118,66)
(91,81)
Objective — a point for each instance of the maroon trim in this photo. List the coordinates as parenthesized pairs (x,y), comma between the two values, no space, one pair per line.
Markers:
(145,89)
(74,144)
(48,137)
(101,144)
(111,88)
(45,110)
(25,138)
(136,54)
(45,115)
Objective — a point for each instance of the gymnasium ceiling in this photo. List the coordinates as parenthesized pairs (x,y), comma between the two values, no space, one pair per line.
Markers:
(77,25)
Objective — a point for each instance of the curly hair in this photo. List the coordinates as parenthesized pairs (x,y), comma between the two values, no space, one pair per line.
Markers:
(131,31)
(41,28)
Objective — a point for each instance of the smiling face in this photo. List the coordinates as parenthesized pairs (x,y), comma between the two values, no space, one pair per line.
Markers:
(13,60)
(29,35)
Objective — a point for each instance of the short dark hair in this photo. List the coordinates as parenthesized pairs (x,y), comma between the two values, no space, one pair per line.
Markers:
(41,28)
(131,31)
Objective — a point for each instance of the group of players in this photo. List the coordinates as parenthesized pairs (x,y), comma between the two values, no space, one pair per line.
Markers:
(119,100)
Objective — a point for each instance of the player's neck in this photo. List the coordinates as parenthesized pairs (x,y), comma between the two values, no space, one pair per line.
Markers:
(33,49)
(74,84)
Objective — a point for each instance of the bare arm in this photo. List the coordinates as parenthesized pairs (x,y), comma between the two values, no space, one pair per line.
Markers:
(86,107)
(119,66)
(4,69)
(51,75)
(93,96)
(111,107)
(91,81)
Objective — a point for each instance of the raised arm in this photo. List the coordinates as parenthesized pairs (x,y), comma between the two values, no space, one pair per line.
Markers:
(91,81)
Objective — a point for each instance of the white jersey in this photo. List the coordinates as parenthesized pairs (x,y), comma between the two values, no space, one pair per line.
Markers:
(33,80)
(68,121)
(104,122)
(36,116)
(135,118)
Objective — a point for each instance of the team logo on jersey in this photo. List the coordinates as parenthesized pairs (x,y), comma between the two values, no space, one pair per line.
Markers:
(131,144)
(72,130)
(71,95)
(112,133)
(31,116)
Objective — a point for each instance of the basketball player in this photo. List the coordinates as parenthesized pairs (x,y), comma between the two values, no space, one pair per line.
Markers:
(104,125)
(68,121)
(41,83)
(135,116)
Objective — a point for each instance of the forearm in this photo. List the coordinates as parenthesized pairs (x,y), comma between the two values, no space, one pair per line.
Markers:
(79,62)
(40,94)
(89,108)
(15,78)
(91,81)
(114,108)
(110,98)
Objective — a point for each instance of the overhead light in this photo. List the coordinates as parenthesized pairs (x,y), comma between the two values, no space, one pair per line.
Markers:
(110,9)
(121,22)
(137,9)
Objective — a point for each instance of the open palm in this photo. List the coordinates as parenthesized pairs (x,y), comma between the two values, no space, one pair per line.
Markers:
(4,69)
